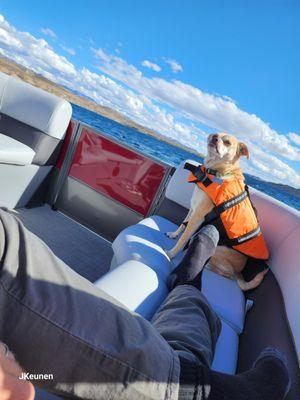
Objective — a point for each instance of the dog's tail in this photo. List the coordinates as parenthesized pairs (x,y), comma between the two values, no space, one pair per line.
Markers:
(244,285)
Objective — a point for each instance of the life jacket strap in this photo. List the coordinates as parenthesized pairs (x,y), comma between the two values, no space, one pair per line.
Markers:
(214,218)
(199,175)
(242,239)
(218,210)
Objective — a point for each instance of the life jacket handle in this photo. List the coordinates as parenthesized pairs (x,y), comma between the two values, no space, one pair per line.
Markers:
(199,175)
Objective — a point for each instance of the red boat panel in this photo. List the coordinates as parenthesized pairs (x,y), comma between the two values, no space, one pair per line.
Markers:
(65,145)
(116,171)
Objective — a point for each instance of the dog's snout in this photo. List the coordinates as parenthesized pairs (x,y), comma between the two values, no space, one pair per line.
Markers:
(214,139)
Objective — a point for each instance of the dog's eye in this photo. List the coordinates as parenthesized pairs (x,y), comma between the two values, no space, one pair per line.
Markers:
(227,142)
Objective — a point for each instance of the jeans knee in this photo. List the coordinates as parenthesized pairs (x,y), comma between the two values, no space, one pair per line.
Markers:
(210,231)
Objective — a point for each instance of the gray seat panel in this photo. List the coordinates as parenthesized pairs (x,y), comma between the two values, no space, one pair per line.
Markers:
(46,147)
(14,152)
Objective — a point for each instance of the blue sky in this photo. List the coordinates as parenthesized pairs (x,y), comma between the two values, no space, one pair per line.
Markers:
(182,68)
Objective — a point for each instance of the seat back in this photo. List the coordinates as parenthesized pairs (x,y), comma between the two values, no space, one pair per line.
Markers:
(179,190)
(34,117)
(32,126)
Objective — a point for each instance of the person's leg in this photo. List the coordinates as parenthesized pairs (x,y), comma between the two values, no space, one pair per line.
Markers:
(191,327)
(56,322)
(199,252)
(186,319)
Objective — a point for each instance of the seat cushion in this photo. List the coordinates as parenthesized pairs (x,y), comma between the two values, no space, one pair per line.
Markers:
(226,298)
(226,352)
(14,152)
(138,288)
(146,241)
(135,285)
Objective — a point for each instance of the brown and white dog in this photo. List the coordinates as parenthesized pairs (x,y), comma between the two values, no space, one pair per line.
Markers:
(224,152)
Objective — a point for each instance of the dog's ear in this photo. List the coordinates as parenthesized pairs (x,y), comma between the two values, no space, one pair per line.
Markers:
(243,150)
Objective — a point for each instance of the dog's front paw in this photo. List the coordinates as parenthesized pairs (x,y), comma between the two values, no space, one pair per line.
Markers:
(171,235)
(170,254)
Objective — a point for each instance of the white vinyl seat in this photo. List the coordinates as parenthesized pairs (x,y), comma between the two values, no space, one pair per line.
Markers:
(14,152)
(135,285)
(139,249)
(140,289)
(145,242)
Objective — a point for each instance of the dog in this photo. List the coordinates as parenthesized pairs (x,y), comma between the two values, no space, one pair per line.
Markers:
(222,164)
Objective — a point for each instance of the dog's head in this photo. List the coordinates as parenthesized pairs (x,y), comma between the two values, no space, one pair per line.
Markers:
(224,149)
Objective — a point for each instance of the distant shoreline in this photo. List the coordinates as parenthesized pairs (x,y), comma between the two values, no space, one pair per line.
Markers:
(12,68)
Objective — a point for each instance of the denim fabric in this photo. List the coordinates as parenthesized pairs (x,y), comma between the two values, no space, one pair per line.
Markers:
(56,322)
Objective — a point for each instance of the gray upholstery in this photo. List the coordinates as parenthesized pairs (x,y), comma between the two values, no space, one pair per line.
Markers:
(34,107)
(14,152)
(19,182)
(46,147)
(34,117)
(32,126)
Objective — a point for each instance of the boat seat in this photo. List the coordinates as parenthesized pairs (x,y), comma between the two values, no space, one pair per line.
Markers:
(145,291)
(33,123)
(145,267)
(145,242)
(14,152)
(135,285)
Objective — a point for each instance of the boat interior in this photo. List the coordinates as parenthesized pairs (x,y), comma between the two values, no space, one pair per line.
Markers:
(104,208)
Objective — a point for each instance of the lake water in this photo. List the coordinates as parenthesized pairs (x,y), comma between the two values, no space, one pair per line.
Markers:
(170,154)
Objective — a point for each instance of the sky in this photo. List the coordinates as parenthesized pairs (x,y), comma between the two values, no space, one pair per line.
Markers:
(184,69)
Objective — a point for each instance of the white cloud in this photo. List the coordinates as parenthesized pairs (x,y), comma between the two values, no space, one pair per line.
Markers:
(295,138)
(171,108)
(68,50)
(99,53)
(48,32)
(263,164)
(151,65)
(198,106)
(34,53)
(175,66)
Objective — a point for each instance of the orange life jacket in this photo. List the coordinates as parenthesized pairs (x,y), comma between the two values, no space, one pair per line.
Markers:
(233,214)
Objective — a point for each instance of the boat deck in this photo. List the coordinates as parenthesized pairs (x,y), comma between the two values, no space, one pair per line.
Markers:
(80,248)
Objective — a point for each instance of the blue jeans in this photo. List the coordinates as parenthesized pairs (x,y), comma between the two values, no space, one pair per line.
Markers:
(56,322)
